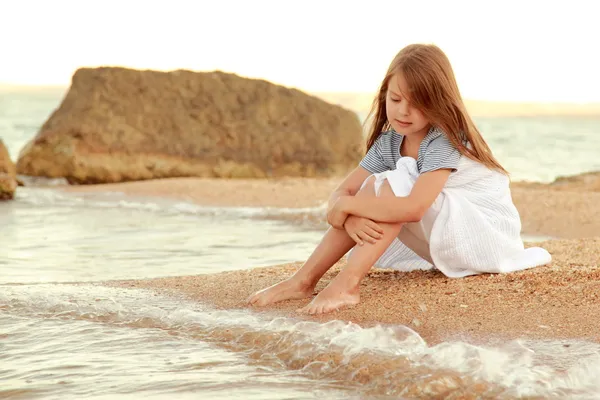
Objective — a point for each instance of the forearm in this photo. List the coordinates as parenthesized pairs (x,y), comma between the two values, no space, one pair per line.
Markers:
(382,209)
(336,195)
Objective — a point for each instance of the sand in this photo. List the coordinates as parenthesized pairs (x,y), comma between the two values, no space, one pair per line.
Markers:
(555,301)
(292,192)
(545,210)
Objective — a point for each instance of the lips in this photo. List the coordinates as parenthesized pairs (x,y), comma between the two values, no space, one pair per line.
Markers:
(403,123)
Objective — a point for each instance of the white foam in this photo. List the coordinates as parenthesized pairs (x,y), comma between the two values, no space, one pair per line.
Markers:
(45,196)
(522,367)
(41,181)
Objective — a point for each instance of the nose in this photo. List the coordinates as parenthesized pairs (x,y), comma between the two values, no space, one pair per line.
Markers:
(403,108)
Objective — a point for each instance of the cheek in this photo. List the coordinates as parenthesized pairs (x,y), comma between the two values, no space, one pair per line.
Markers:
(419,118)
(389,110)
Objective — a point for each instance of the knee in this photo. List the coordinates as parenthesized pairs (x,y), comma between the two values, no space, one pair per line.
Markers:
(385,189)
(372,187)
(368,187)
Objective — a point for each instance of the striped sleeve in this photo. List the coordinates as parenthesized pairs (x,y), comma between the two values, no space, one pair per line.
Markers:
(373,161)
(440,154)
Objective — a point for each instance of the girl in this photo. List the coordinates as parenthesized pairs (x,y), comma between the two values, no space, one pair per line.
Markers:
(428,183)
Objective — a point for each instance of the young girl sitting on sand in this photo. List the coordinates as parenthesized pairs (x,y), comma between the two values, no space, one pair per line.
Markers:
(428,181)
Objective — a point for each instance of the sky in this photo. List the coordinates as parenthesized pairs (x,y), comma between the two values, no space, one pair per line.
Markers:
(527,50)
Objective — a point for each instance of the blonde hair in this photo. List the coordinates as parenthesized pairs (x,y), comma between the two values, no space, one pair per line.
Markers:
(434,92)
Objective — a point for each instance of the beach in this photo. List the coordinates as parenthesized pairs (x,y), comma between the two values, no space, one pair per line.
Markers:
(555,301)
(138,289)
(550,302)
(157,174)
(545,210)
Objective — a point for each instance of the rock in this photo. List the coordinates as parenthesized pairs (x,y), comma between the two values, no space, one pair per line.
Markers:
(589,181)
(586,182)
(118,124)
(8,181)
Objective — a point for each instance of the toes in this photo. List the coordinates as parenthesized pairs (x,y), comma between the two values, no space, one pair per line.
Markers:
(303,310)
(256,300)
(309,309)
(318,308)
(330,309)
(260,302)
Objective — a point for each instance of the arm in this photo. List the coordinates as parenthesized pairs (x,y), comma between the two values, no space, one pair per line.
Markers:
(398,209)
(350,185)
(372,162)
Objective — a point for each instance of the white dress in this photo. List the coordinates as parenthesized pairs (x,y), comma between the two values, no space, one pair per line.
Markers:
(472,227)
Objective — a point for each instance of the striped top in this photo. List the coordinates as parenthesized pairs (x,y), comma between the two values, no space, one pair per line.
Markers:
(435,152)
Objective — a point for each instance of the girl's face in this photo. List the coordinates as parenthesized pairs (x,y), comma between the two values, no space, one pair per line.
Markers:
(404,119)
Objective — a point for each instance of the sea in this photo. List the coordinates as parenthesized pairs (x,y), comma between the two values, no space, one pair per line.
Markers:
(66,335)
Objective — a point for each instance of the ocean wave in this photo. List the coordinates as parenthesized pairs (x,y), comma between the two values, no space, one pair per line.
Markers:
(46,196)
(307,217)
(310,217)
(379,360)
(40,181)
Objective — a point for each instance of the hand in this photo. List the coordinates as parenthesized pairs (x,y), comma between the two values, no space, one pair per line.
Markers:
(336,216)
(362,230)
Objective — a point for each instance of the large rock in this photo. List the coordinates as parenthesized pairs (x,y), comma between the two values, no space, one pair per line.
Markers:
(117,124)
(8,181)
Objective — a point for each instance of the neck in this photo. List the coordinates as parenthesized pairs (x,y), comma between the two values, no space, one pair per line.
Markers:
(417,137)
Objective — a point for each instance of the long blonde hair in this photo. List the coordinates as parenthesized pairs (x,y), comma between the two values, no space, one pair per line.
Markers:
(433,91)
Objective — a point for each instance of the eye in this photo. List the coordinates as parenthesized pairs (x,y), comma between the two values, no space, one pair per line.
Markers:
(395,100)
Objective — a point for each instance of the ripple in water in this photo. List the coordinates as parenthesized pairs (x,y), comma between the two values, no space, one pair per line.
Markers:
(49,236)
(124,341)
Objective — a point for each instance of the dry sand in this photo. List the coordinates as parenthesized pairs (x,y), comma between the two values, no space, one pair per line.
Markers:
(558,213)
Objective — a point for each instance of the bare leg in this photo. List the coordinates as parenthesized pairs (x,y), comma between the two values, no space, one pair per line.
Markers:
(343,290)
(332,247)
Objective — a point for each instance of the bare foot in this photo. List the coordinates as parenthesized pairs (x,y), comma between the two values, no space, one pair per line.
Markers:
(332,298)
(286,290)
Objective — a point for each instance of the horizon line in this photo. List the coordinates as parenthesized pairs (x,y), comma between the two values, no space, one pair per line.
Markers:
(318,93)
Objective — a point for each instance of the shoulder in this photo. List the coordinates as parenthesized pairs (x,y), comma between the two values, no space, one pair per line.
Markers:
(383,154)
(437,139)
(386,142)
(437,152)
(388,136)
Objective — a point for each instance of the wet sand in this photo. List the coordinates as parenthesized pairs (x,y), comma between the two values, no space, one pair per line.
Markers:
(553,211)
(555,301)
(292,192)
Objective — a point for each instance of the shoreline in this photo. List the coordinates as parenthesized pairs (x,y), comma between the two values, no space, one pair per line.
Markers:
(557,301)
(546,210)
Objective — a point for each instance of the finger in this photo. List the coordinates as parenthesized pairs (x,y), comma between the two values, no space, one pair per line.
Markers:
(366,237)
(373,233)
(373,225)
(357,239)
